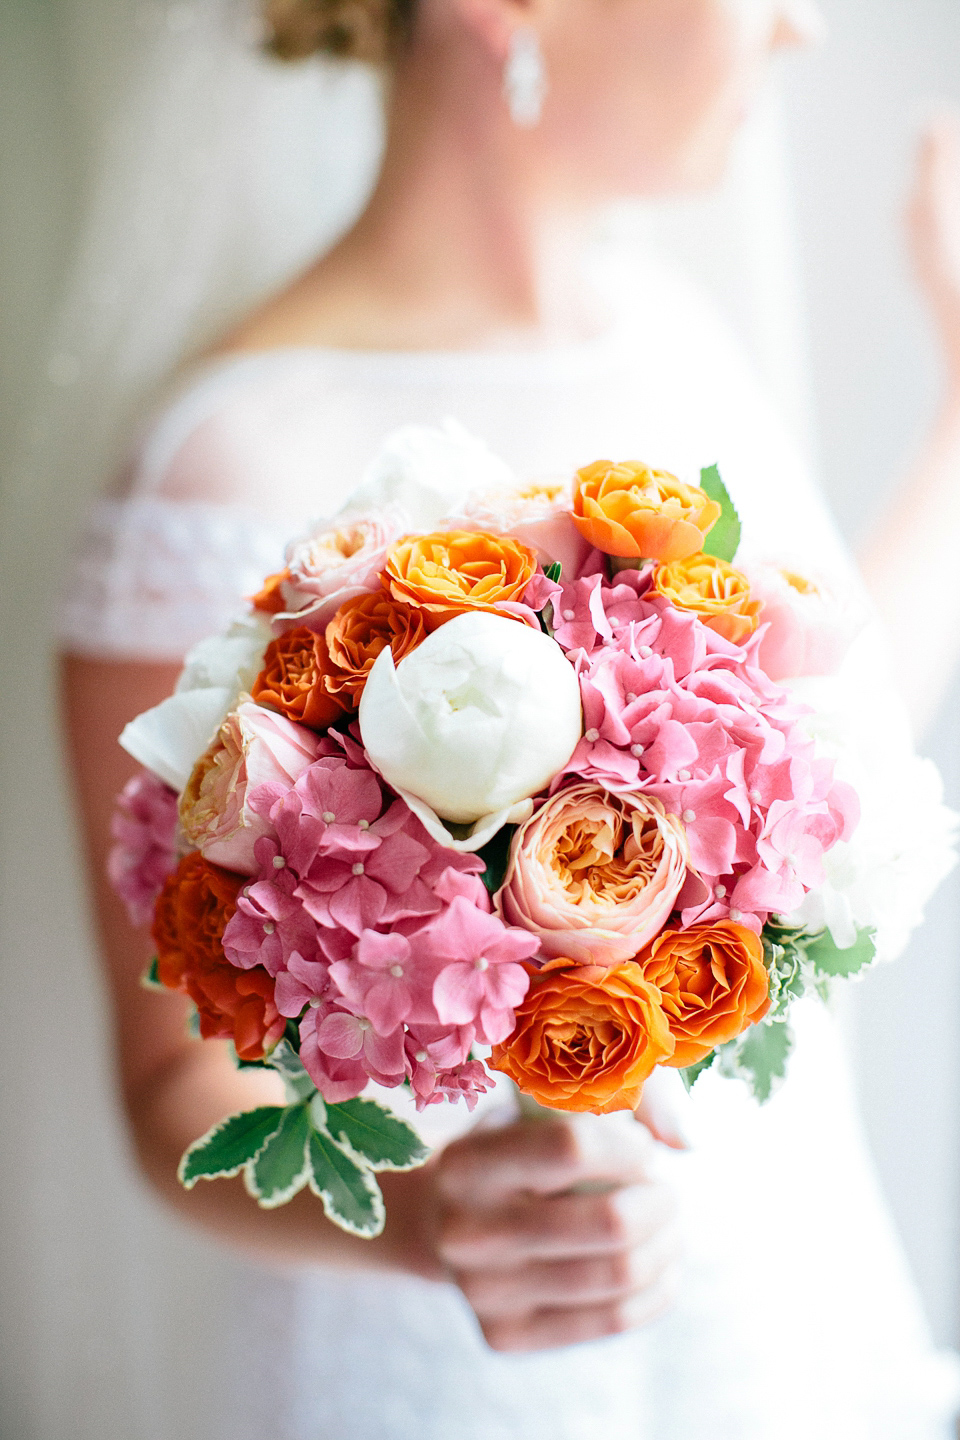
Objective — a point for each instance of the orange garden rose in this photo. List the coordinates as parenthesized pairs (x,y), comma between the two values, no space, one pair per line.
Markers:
(586,1037)
(269,599)
(361,628)
(192,912)
(293,680)
(448,573)
(633,511)
(712,983)
(713,590)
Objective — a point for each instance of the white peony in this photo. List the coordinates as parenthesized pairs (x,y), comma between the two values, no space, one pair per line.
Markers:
(472,723)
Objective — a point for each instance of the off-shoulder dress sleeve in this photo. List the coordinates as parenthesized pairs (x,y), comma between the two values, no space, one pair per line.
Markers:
(168,556)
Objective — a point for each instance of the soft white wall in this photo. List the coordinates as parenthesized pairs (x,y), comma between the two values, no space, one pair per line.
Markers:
(852,113)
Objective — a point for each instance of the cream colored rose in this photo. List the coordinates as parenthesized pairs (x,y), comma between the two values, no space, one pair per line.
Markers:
(254,746)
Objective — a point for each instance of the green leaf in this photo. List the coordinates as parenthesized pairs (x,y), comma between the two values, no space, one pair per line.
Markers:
(496,856)
(150,979)
(554,571)
(227,1147)
(723,538)
(287,1062)
(375,1135)
(828,960)
(282,1166)
(351,1196)
(690,1074)
(760,1057)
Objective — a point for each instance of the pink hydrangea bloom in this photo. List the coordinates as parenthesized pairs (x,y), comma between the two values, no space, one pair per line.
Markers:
(677,712)
(480,976)
(357,912)
(144,827)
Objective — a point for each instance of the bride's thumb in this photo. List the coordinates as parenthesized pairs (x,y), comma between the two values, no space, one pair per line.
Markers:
(664,1109)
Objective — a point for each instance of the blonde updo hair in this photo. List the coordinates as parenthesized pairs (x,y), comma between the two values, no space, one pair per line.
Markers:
(372,30)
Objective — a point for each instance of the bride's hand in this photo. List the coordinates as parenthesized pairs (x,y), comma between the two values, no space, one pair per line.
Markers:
(542,1261)
(933,220)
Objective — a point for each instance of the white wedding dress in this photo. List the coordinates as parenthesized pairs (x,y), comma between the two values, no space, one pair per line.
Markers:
(796,1319)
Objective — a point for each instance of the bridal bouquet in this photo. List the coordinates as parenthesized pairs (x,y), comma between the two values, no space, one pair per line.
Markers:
(501,779)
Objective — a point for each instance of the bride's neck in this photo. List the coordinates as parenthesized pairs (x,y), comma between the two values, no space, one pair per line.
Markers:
(459,246)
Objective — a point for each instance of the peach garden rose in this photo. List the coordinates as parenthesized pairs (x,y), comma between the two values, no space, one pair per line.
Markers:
(595,875)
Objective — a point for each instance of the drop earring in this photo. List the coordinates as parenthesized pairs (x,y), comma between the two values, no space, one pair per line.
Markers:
(524,77)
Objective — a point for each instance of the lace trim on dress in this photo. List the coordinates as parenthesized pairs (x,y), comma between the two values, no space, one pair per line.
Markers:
(152,576)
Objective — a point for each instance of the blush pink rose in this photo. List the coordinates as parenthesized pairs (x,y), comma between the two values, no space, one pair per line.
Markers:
(539,516)
(329,568)
(594,875)
(253,747)
(809,627)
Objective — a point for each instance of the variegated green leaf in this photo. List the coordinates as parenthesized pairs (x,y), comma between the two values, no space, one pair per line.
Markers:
(227,1147)
(377,1136)
(351,1196)
(282,1166)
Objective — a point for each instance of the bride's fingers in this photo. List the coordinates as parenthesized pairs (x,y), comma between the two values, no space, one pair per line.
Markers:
(545,1157)
(585,1281)
(664,1109)
(556,1228)
(551,1327)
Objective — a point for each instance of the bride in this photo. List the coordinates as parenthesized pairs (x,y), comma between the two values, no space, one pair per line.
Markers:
(466,289)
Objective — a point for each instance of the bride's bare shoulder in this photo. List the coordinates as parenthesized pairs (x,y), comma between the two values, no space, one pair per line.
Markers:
(302,313)
(333,305)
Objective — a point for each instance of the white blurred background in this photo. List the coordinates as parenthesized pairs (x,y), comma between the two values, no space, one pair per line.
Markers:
(810,263)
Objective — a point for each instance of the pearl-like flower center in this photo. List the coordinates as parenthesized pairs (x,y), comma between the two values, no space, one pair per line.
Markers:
(358,868)
(396,971)
(268,927)
(329,817)
(593,736)
(481,963)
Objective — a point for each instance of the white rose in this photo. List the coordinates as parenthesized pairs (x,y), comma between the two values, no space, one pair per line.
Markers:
(170,738)
(905,842)
(428,473)
(231,661)
(472,723)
